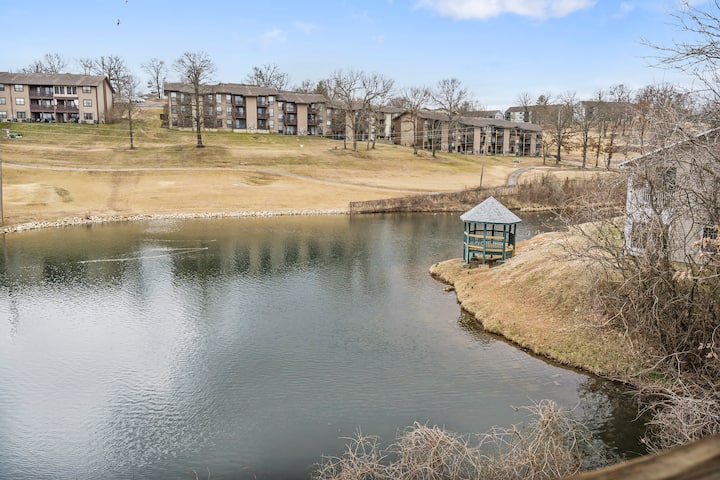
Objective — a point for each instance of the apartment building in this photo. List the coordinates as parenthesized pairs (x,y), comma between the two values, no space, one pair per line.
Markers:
(62,98)
(246,108)
(471,135)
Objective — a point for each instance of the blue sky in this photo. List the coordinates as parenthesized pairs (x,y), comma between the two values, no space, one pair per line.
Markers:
(496,48)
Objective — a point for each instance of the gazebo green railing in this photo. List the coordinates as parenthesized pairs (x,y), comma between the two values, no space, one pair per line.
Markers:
(489,232)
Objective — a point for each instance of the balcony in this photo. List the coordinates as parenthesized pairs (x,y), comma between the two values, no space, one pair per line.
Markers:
(42,107)
(313,110)
(312,121)
(67,109)
(263,116)
(41,92)
(290,120)
(290,108)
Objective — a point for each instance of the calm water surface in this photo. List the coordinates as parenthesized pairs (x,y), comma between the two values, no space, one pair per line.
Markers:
(249,347)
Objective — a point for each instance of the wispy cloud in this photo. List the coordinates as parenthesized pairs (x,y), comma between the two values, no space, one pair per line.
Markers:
(624,10)
(271,37)
(481,9)
(306,28)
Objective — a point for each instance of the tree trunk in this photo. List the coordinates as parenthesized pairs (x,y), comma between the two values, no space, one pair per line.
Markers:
(130,124)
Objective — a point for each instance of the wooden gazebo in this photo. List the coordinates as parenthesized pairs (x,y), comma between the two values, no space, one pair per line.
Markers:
(489,232)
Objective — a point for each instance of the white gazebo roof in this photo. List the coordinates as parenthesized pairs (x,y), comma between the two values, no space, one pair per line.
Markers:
(490,211)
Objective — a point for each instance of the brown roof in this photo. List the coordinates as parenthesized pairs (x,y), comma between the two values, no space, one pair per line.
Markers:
(484,122)
(223,88)
(249,91)
(302,98)
(51,79)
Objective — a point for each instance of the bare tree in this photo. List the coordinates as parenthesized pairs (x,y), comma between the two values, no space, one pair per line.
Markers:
(50,63)
(617,111)
(586,116)
(157,71)
(413,100)
(268,75)
(699,57)
(87,65)
(306,86)
(356,94)
(651,105)
(524,100)
(558,123)
(450,97)
(196,69)
(128,87)
(113,67)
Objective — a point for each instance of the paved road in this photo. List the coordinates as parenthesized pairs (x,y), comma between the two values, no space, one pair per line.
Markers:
(512,179)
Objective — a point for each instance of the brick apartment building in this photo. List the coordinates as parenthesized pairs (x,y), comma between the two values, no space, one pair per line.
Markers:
(61,98)
(247,108)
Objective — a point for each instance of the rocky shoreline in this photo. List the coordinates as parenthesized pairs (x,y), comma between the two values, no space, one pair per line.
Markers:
(91,219)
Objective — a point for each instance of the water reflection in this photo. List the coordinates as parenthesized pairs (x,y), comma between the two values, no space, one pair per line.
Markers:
(249,347)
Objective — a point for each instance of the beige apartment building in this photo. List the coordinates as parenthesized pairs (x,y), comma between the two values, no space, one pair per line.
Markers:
(471,135)
(246,108)
(61,98)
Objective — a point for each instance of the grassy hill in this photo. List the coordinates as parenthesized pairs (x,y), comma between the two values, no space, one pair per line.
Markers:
(61,170)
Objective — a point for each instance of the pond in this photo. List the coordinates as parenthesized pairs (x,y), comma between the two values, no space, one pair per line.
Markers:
(248,348)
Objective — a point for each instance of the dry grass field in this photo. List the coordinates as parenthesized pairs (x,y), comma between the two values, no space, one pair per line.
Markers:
(540,301)
(68,170)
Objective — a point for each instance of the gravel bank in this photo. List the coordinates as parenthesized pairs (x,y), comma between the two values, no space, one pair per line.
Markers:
(71,221)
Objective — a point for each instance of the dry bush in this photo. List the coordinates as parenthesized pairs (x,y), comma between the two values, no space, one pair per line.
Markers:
(544,192)
(552,445)
(552,192)
(681,414)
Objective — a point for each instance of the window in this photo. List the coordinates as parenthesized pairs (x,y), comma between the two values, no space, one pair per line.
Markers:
(228,123)
(2,87)
(271,99)
(271,111)
(709,243)
(3,115)
(87,103)
(71,90)
(228,111)
(173,109)
(271,124)
(2,100)
(228,98)
(19,88)
(218,98)
(19,101)
(173,95)
(710,232)
(218,109)
(86,89)
(21,115)
(59,90)
(88,116)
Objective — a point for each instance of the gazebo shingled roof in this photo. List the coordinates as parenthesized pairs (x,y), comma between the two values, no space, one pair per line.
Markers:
(490,211)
